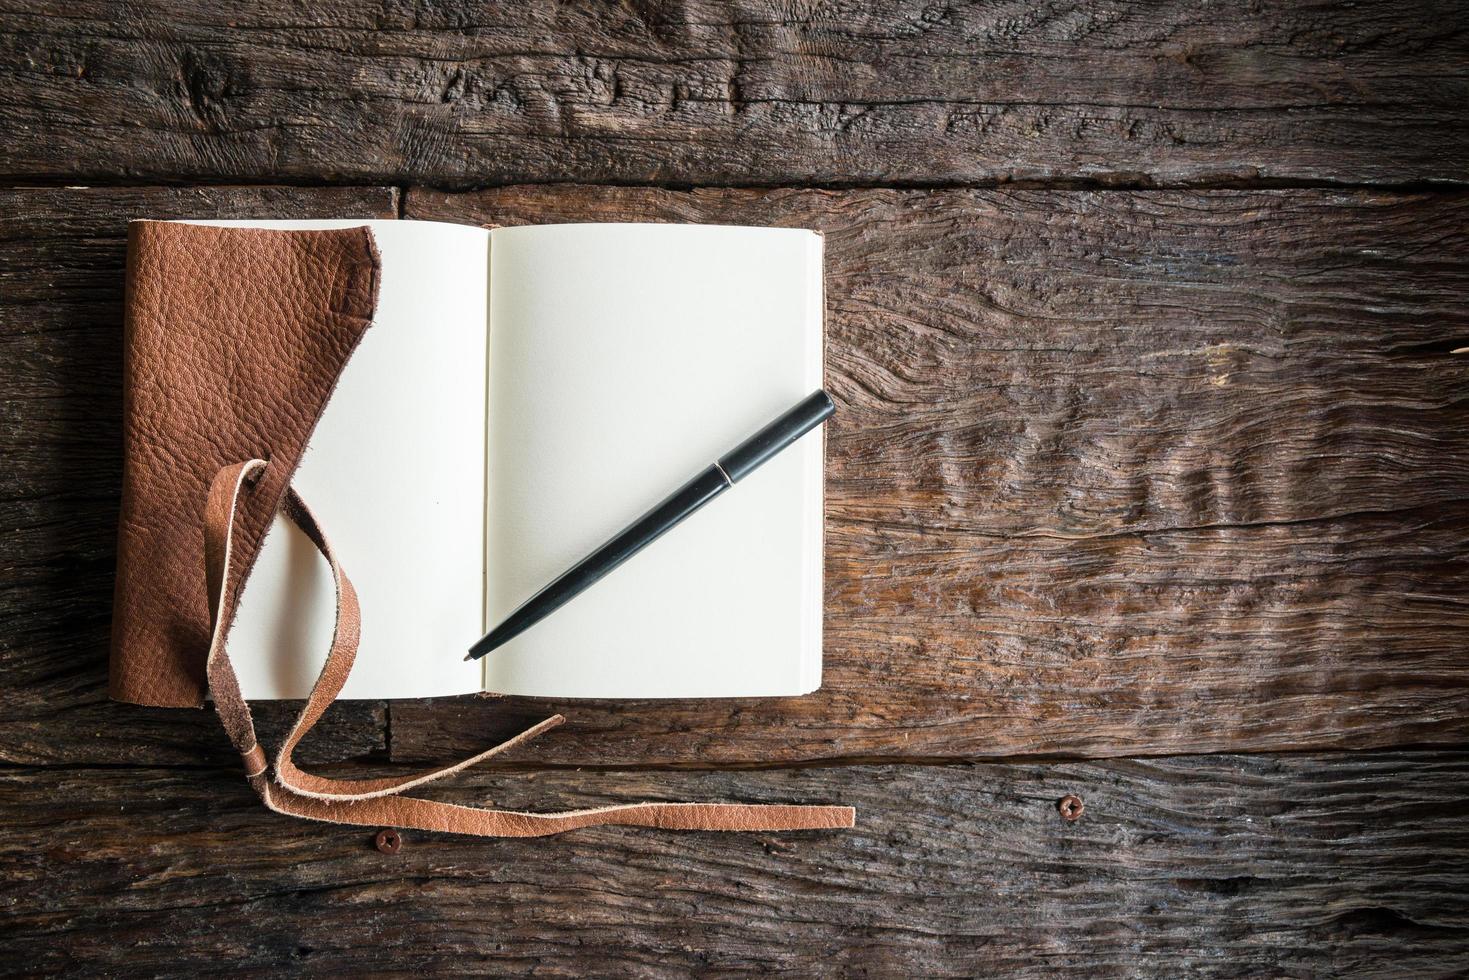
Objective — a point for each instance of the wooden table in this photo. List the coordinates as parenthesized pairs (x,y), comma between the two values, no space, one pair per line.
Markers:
(1150,486)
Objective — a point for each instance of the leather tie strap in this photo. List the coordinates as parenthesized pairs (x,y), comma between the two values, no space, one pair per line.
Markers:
(377,802)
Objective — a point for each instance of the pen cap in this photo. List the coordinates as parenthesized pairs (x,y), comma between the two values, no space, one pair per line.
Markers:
(777,435)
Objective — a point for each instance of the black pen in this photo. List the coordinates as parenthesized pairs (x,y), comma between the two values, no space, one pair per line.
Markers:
(719,477)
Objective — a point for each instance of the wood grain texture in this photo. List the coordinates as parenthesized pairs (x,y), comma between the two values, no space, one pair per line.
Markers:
(899,91)
(1112,473)
(1194,866)
(1115,473)
(61,284)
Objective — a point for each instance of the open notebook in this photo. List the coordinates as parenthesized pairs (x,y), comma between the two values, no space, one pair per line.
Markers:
(507,412)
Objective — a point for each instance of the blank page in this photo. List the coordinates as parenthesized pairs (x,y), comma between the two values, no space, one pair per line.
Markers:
(395,473)
(624,359)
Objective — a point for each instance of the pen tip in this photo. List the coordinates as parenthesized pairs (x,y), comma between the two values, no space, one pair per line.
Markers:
(469,656)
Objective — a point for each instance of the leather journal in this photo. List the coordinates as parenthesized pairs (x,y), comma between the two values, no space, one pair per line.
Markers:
(236,340)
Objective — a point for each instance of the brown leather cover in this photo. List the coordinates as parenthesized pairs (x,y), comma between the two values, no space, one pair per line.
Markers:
(234,341)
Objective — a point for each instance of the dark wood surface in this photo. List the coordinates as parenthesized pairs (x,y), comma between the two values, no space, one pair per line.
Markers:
(1217,865)
(464,93)
(1120,473)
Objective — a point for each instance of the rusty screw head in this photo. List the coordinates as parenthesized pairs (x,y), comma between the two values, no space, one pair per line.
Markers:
(1071,808)
(389,841)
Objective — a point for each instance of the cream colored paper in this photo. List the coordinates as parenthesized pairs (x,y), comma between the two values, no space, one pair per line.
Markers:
(616,362)
(395,473)
(624,359)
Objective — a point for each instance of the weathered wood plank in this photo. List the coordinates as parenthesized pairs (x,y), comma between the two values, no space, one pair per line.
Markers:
(467,94)
(1115,473)
(1212,866)
(1112,473)
(61,282)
